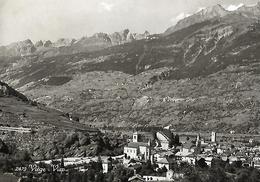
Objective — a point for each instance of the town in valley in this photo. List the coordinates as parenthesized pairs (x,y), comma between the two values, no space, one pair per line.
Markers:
(129,91)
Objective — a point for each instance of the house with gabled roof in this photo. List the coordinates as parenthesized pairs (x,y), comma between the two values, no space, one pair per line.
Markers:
(136,178)
(165,162)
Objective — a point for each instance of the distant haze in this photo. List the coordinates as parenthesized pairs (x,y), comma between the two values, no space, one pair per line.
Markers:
(53,19)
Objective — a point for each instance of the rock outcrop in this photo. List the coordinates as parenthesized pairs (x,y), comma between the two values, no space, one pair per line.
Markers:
(70,46)
(39,44)
(125,36)
(5,90)
(47,43)
(203,15)
(64,42)
(22,48)
(216,12)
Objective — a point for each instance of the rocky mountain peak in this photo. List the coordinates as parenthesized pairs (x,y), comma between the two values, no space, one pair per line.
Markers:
(48,48)
(216,10)
(125,32)
(27,41)
(21,48)
(48,43)
(102,36)
(146,33)
(126,36)
(39,43)
(203,15)
(62,42)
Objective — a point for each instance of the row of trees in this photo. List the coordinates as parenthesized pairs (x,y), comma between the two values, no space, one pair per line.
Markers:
(219,171)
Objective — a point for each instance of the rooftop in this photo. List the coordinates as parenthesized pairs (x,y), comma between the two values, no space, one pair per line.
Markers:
(136,144)
(137,176)
(166,133)
(188,145)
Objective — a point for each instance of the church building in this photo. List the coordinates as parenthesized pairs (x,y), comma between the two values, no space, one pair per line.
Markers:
(138,150)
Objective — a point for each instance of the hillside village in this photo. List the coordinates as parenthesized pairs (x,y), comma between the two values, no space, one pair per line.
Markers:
(165,150)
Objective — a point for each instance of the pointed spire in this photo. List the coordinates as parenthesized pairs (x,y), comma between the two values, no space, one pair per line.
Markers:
(149,142)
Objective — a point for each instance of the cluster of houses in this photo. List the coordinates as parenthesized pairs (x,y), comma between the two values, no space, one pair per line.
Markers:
(158,150)
(165,149)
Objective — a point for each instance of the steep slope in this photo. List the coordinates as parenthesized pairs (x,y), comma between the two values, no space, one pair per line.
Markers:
(216,11)
(202,77)
(46,133)
(19,111)
(21,48)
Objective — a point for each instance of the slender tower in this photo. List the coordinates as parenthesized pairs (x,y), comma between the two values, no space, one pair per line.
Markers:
(135,137)
(213,137)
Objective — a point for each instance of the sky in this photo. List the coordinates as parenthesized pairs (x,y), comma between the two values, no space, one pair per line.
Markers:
(53,19)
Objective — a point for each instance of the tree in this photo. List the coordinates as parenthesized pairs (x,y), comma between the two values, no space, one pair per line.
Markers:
(218,163)
(230,168)
(201,163)
(3,147)
(164,169)
(254,176)
(62,162)
(96,166)
(194,176)
(172,142)
(84,140)
(147,168)
(237,164)
(71,139)
(99,177)
(99,164)
(91,175)
(120,173)
(242,175)
(186,168)
(218,174)
(177,140)
(107,143)
(25,156)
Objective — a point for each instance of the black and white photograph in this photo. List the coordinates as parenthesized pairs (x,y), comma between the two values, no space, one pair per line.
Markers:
(129,91)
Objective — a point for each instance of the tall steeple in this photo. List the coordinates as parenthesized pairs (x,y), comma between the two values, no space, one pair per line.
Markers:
(198,140)
(213,137)
(135,137)
(149,142)
(198,144)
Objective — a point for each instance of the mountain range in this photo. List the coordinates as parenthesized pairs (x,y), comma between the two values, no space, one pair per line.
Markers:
(215,12)
(200,75)
(70,46)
